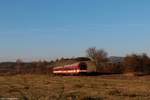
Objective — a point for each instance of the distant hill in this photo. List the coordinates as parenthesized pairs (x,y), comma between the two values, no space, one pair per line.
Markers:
(115,59)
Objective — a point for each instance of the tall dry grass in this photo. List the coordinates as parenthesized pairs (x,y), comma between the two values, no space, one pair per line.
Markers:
(45,87)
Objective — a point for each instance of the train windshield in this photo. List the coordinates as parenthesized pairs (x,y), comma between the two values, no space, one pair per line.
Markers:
(83,66)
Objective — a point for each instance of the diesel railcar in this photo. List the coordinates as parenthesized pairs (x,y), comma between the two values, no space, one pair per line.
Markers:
(73,69)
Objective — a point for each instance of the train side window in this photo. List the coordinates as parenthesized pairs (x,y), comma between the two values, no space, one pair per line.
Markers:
(83,67)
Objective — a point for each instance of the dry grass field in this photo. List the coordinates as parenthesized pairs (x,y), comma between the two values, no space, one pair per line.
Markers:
(45,87)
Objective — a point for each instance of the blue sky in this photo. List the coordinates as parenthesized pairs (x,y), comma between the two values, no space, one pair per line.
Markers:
(47,29)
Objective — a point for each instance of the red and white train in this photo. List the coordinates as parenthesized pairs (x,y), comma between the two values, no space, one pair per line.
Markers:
(73,69)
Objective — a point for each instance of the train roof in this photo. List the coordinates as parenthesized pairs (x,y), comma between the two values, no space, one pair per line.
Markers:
(74,64)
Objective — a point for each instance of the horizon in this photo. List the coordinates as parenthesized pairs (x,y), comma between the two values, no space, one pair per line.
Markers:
(34,30)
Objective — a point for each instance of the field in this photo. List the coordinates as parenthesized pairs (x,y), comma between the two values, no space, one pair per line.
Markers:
(45,87)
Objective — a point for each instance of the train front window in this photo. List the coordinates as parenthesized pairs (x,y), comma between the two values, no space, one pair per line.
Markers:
(83,67)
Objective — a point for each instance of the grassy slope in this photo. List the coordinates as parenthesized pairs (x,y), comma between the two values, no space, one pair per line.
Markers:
(44,87)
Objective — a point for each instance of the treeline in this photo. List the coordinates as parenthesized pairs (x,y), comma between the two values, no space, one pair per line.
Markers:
(40,67)
(137,63)
(134,63)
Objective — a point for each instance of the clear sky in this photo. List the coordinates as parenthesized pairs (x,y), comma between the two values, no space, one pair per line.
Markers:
(46,29)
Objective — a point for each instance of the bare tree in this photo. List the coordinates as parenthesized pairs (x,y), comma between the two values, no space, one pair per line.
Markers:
(98,56)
